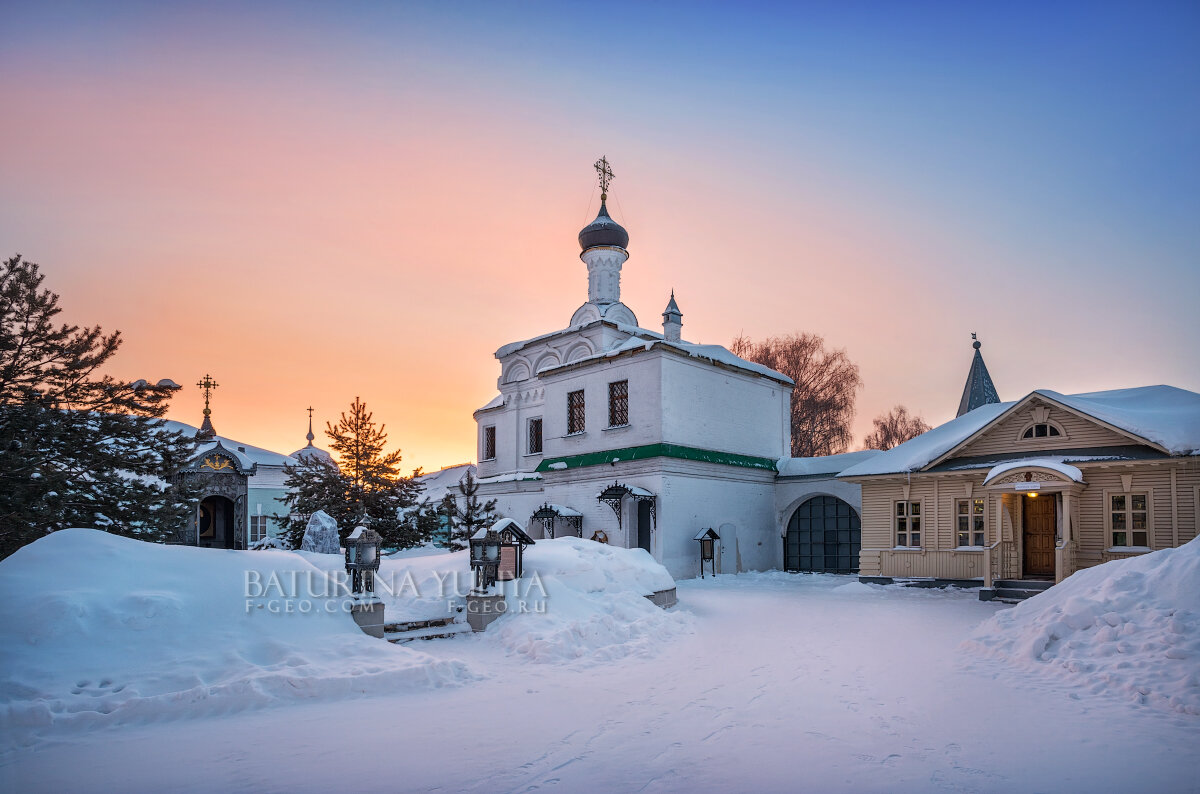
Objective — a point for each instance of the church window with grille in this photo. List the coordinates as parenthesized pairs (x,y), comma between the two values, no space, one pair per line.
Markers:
(535,436)
(489,443)
(618,403)
(575,414)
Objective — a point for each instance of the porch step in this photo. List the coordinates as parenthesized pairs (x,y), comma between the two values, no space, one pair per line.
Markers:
(437,628)
(1014,591)
(431,633)
(418,624)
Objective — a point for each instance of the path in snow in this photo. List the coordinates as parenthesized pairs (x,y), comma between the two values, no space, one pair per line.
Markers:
(788,683)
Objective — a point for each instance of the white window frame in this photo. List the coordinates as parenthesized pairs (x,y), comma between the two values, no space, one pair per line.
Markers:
(902,523)
(972,533)
(259,532)
(1128,512)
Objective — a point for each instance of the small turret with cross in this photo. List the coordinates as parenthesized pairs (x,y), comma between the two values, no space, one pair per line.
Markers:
(206,431)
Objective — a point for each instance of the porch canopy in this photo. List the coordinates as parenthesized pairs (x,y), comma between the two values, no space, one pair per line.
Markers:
(548,514)
(1031,467)
(615,493)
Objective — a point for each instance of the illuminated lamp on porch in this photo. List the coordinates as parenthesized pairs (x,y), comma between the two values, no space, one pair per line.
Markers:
(707,538)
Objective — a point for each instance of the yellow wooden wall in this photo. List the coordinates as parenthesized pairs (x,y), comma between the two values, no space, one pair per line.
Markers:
(938,493)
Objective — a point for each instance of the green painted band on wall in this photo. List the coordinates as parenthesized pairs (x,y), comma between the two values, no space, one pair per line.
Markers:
(656,451)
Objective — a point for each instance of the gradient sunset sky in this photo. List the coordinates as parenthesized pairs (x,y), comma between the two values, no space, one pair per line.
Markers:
(314,202)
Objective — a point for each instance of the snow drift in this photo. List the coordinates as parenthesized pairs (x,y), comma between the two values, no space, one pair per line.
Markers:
(99,629)
(582,600)
(1129,626)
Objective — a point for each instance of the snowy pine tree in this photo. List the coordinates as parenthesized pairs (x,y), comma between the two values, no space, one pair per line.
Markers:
(366,484)
(77,449)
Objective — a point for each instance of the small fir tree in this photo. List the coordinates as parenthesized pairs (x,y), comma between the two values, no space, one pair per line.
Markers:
(472,515)
(447,511)
(366,485)
(77,449)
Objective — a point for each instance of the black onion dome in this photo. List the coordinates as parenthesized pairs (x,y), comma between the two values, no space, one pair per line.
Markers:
(603,231)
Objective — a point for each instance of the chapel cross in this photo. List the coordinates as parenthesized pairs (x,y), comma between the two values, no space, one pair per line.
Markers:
(208,384)
(605,171)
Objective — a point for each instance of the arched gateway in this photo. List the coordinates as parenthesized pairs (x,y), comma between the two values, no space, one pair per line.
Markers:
(823,535)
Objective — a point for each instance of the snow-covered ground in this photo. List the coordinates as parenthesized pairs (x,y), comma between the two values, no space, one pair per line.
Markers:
(754,682)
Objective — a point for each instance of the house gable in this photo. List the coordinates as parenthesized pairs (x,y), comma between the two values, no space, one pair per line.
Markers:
(1064,428)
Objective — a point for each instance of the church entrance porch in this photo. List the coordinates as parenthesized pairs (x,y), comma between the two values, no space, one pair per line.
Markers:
(215,523)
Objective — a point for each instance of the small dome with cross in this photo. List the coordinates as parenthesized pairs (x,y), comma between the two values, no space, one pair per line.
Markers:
(603,231)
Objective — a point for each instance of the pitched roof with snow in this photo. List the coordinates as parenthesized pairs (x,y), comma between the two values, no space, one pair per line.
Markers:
(715,354)
(436,484)
(1164,416)
(263,457)
(825,465)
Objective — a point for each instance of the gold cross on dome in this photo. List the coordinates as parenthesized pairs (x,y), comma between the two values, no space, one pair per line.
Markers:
(605,171)
(208,384)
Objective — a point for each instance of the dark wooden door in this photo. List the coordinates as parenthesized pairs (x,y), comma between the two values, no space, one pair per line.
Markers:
(643,524)
(1040,521)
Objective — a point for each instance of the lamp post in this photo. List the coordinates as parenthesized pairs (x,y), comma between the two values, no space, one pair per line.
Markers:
(362,561)
(485,559)
(707,539)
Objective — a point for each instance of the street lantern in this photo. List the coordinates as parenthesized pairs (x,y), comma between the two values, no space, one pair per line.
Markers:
(485,558)
(708,538)
(362,560)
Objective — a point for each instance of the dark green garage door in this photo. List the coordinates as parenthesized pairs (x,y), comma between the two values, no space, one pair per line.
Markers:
(823,535)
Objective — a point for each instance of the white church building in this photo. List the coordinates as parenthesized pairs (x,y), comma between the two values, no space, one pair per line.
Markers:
(639,438)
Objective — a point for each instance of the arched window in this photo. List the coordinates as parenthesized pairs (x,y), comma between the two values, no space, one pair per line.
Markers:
(1042,430)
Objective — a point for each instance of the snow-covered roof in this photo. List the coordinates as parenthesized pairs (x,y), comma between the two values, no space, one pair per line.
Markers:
(930,445)
(707,532)
(436,484)
(1162,415)
(1054,463)
(1165,415)
(566,512)
(243,460)
(495,402)
(516,476)
(825,464)
(263,457)
(714,353)
(313,452)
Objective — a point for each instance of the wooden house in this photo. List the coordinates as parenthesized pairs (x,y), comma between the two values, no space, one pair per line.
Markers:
(1034,489)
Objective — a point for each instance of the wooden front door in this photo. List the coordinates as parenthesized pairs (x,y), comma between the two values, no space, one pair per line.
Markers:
(1040,528)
